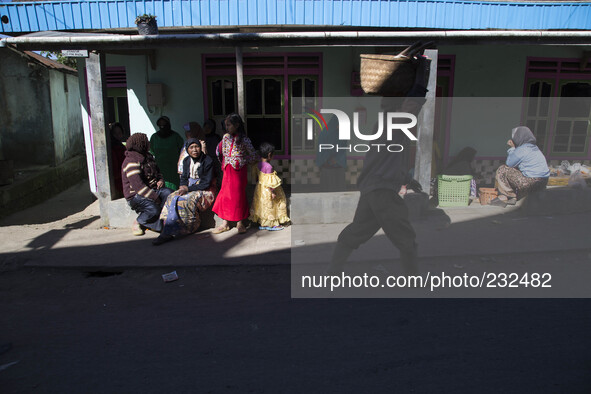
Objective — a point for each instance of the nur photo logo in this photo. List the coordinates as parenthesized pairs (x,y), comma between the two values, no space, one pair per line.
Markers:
(388,123)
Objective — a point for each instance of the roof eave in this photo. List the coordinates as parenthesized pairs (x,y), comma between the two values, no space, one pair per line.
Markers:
(300,38)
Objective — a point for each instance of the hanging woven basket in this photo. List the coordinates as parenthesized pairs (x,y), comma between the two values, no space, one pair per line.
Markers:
(387,75)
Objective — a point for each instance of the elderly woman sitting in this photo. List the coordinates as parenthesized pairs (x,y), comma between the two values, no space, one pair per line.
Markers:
(181,213)
(526,170)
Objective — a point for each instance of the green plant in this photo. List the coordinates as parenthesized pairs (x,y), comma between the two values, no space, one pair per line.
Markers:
(58,57)
(145,18)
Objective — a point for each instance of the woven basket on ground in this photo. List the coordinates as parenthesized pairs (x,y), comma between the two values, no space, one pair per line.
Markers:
(487,194)
(387,75)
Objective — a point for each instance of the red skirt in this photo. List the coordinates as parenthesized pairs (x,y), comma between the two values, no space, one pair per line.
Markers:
(231,203)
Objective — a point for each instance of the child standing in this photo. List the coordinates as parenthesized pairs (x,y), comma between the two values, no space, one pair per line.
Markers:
(269,206)
(235,152)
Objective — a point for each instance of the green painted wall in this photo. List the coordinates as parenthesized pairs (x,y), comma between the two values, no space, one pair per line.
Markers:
(492,71)
(181,73)
(66,118)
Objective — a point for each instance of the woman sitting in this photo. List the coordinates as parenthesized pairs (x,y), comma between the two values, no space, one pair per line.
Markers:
(143,184)
(181,213)
(526,170)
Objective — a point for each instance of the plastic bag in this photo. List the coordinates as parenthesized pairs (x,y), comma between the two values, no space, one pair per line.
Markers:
(576,181)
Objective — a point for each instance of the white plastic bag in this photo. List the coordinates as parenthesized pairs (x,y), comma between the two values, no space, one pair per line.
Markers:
(576,181)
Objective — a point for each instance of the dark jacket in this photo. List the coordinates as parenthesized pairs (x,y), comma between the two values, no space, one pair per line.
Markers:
(140,175)
(205,172)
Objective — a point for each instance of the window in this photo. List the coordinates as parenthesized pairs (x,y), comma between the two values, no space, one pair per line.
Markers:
(118,110)
(222,98)
(303,93)
(538,110)
(558,105)
(572,122)
(264,111)
(278,87)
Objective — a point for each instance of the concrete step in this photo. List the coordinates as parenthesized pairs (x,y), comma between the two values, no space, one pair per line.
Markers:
(339,207)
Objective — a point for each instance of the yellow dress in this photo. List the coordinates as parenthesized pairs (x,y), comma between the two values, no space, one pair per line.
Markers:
(267,211)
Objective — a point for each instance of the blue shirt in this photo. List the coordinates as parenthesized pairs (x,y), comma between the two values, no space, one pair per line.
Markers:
(529,160)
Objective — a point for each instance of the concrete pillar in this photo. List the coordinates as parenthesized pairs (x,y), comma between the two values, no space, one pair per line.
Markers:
(240,83)
(97,98)
(426,125)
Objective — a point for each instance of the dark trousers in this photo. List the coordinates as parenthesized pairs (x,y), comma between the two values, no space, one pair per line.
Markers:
(382,208)
(148,210)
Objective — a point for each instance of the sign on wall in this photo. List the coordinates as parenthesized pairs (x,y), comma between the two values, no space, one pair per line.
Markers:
(75,52)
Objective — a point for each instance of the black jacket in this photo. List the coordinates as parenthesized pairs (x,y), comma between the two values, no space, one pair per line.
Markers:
(205,172)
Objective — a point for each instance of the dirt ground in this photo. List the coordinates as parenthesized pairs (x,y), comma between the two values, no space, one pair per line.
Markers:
(236,330)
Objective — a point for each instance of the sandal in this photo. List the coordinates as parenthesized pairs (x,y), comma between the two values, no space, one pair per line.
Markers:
(241,228)
(137,229)
(221,229)
(275,228)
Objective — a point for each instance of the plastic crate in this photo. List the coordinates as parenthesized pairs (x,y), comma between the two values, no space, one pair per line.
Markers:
(453,190)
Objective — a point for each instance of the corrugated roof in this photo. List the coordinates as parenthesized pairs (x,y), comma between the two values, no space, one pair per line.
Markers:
(420,14)
(45,61)
(50,63)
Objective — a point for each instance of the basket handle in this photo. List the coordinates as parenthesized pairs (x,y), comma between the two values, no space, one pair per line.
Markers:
(414,49)
(407,52)
(421,48)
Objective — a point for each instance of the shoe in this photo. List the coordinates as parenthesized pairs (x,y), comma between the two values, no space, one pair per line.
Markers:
(137,229)
(162,239)
(275,228)
(220,229)
(498,203)
(512,201)
(340,256)
(241,228)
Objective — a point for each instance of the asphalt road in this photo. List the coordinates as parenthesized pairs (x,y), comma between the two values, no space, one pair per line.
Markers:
(236,330)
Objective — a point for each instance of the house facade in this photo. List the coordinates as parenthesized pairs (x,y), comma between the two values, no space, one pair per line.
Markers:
(201,83)
(498,65)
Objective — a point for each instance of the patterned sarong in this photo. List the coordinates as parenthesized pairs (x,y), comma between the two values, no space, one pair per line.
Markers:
(181,214)
(512,183)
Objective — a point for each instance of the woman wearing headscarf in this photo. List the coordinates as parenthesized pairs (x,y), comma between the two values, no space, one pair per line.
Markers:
(192,130)
(525,171)
(165,145)
(181,214)
(143,184)
(235,152)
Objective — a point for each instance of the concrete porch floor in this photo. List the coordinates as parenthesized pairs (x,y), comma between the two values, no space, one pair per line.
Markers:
(52,235)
